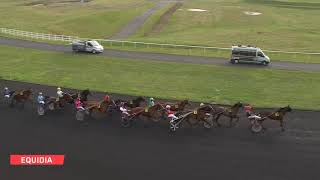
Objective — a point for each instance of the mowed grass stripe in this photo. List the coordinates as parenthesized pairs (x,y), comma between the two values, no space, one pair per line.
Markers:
(207,83)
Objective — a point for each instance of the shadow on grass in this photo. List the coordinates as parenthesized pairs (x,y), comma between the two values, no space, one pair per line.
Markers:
(284,4)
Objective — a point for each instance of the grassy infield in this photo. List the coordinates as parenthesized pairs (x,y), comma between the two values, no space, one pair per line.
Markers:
(207,83)
(287,25)
(268,88)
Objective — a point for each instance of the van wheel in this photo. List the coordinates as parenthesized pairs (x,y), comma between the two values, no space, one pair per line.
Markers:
(236,61)
(264,63)
(94,51)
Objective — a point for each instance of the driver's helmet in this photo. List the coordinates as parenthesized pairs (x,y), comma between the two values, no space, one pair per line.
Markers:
(40,93)
(6,88)
(202,104)
(106,98)
(168,107)
(59,89)
(151,99)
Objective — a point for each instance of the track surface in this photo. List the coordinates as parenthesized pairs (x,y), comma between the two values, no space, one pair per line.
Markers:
(157,56)
(139,21)
(104,150)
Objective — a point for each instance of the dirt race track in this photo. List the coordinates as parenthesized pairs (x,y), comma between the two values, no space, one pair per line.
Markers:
(105,150)
(159,57)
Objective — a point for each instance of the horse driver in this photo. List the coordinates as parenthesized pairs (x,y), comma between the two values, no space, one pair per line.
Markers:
(248,110)
(59,93)
(78,103)
(124,108)
(6,92)
(40,98)
(150,102)
(171,114)
(106,99)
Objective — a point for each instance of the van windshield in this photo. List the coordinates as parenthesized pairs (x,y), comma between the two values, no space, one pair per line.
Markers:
(95,43)
(261,54)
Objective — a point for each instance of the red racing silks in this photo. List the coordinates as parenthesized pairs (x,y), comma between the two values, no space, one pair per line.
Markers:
(36,160)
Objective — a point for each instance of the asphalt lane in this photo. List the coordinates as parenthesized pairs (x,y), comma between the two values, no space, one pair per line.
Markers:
(159,57)
(140,20)
(105,150)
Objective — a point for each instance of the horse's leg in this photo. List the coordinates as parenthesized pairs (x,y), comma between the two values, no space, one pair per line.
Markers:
(22,104)
(217,120)
(281,125)
(238,118)
(189,122)
(230,122)
(12,102)
(90,113)
(144,120)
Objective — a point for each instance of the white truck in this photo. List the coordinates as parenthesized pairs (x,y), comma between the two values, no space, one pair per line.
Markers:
(87,46)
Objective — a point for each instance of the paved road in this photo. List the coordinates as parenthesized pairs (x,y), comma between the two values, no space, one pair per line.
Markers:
(140,20)
(157,56)
(104,150)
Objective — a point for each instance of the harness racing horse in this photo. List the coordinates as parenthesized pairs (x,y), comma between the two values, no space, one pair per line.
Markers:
(131,104)
(179,106)
(99,106)
(83,95)
(231,112)
(54,103)
(20,97)
(277,115)
(153,113)
(202,115)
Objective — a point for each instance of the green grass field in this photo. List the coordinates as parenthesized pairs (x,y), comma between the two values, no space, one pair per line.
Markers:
(261,87)
(95,19)
(288,25)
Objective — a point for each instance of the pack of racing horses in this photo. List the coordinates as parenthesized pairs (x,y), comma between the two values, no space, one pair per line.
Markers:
(205,115)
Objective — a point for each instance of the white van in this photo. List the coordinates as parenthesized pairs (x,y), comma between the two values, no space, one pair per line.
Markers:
(248,54)
(87,46)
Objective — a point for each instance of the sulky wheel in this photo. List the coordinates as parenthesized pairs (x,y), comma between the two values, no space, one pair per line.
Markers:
(125,121)
(173,126)
(40,110)
(256,127)
(51,106)
(80,115)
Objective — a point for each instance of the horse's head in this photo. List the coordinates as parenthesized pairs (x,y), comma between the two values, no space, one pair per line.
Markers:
(141,99)
(207,108)
(85,93)
(69,98)
(238,105)
(186,102)
(157,107)
(285,109)
(74,96)
(183,104)
(289,109)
